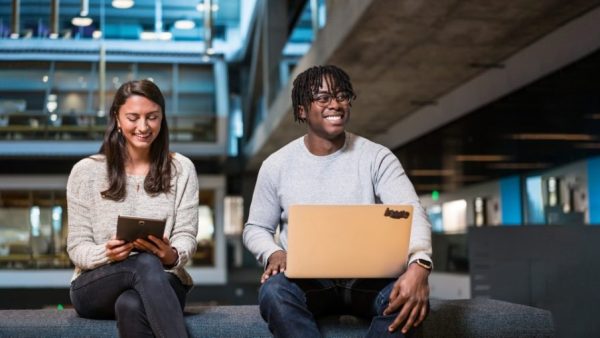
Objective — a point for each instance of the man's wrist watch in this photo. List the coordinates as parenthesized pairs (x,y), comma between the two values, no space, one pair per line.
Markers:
(425,264)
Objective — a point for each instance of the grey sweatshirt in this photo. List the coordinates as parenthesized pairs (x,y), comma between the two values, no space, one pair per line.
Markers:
(93,220)
(361,172)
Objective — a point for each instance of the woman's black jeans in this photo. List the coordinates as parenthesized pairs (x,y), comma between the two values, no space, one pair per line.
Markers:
(145,300)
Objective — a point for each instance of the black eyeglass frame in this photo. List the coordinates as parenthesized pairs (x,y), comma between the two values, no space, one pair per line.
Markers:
(324,99)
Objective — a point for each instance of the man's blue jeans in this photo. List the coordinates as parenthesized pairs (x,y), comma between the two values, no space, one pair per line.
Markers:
(290,306)
(146,300)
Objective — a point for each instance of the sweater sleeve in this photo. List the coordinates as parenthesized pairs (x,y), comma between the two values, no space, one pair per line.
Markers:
(264,216)
(392,185)
(85,253)
(185,227)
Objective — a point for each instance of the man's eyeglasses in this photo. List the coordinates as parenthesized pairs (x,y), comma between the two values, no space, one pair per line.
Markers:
(324,99)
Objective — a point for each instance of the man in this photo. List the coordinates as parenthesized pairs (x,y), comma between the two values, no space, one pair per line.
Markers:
(329,165)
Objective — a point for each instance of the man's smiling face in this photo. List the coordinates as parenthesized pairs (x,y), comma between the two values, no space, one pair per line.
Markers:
(328,112)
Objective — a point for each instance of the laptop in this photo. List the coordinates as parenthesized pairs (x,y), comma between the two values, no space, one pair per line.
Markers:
(348,241)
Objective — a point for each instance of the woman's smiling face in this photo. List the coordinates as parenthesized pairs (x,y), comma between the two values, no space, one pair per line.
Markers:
(139,120)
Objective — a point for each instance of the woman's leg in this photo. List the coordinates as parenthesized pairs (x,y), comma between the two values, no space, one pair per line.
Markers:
(132,320)
(94,294)
(131,316)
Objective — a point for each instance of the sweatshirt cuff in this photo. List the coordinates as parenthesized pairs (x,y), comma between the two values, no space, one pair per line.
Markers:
(268,253)
(419,255)
(98,256)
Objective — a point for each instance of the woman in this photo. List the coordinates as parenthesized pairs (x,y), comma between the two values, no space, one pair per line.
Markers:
(142,283)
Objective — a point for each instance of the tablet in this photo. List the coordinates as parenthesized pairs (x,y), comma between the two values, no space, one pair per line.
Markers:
(130,228)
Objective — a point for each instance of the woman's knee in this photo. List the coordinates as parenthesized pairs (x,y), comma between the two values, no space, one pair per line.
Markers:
(129,304)
(148,260)
(146,263)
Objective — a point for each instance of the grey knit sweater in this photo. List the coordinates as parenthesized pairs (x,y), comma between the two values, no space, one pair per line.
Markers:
(93,220)
(361,172)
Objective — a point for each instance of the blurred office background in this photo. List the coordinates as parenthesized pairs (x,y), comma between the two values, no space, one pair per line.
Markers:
(493,108)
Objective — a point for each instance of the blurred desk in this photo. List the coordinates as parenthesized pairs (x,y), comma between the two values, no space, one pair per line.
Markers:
(27,261)
(22,132)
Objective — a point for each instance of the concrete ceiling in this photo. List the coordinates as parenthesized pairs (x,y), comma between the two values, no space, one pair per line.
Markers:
(404,56)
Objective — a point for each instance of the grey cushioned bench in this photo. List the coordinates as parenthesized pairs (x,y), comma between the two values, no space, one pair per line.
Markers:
(448,318)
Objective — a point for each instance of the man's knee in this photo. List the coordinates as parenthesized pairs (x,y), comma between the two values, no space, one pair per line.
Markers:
(383,299)
(276,291)
(270,289)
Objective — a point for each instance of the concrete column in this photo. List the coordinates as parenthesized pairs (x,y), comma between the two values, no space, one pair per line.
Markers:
(158,22)
(16,17)
(54,18)
(274,37)
(208,26)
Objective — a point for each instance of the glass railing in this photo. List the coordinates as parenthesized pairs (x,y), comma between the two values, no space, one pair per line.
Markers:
(104,20)
(32,125)
(51,100)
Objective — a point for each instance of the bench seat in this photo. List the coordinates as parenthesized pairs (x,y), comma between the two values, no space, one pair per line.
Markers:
(447,318)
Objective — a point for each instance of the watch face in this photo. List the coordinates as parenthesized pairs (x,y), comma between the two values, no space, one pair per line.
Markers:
(424,263)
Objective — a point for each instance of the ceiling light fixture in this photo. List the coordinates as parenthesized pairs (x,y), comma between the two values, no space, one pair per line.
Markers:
(185,24)
(593,116)
(51,103)
(467,178)
(516,166)
(482,158)
(427,187)
(552,137)
(590,145)
(122,4)
(200,7)
(81,21)
(156,36)
(432,172)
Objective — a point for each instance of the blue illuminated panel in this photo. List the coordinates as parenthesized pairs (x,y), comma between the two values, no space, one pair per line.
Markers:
(510,200)
(594,190)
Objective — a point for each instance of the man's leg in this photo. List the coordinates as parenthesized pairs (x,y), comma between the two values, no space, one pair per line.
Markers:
(368,298)
(289,306)
(380,323)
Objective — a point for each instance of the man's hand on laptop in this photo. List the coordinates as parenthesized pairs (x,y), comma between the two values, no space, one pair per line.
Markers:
(410,296)
(275,265)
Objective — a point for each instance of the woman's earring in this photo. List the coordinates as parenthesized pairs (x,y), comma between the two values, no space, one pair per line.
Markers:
(119,130)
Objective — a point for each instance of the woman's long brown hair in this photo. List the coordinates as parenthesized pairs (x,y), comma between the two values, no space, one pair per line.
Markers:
(114,148)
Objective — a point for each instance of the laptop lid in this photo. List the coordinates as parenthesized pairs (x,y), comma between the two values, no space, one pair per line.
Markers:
(348,241)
